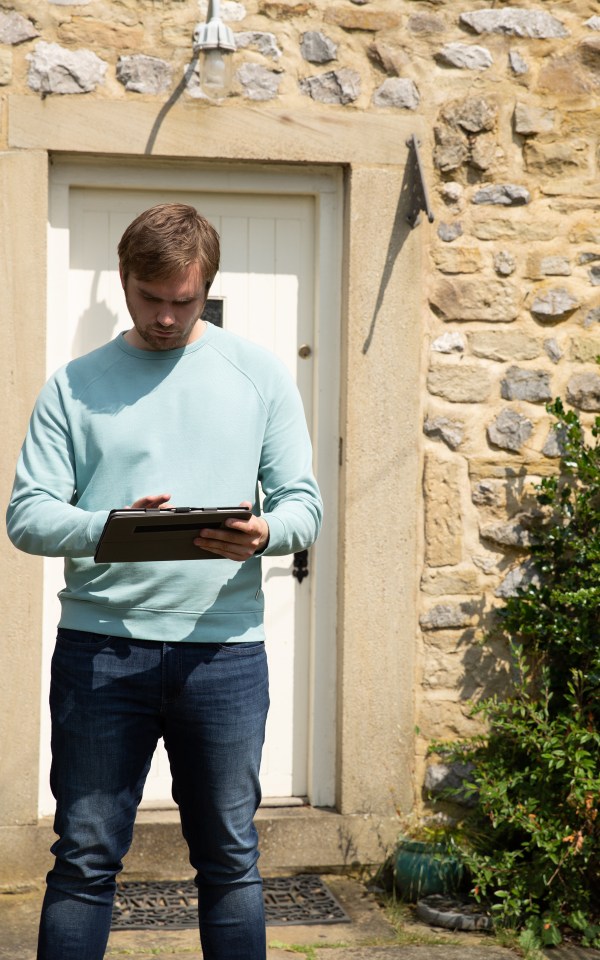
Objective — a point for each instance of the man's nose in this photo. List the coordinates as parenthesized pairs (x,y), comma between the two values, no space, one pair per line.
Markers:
(165,315)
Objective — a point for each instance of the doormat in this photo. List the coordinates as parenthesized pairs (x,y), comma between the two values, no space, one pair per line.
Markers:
(173,904)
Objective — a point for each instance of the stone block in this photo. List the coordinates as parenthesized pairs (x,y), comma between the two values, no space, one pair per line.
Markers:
(515,533)
(530,120)
(56,70)
(261,40)
(451,432)
(554,305)
(258,82)
(485,151)
(449,232)
(523,384)
(503,194)
(500,345)
(583,391)
(465,56)
(504,263)
(517,63)
(515,22)
(557,158)
(336,86)
(141,74)
(443,515)
(457,259)
(359,18)
(284,9)
(451,581)
(459,383)
(102,35)
(451,149)
(473,114)
(552,349)
(450,342)
(15,28)
(397,92)
(496,301)
(510,430)
(584,349)
(530,230)
(316,47)
(447,616)
(6,71)
(519,578)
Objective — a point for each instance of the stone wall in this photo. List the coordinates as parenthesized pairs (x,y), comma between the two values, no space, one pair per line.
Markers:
(511,312)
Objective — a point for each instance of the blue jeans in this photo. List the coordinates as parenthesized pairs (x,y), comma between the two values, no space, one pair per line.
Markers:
(111,699)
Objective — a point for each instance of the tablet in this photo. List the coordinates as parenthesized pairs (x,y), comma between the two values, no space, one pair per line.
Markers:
(167,534)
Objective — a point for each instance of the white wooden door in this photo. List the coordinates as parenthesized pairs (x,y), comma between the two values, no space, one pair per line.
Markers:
(267,288)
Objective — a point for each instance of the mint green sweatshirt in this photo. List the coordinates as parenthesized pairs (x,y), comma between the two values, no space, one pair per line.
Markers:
(206,423)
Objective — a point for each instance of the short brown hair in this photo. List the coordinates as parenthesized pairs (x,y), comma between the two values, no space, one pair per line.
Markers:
(166,239)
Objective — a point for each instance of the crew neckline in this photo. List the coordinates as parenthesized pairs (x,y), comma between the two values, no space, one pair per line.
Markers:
(175,354)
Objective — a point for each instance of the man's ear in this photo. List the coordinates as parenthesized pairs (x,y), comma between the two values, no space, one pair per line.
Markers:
(121,276)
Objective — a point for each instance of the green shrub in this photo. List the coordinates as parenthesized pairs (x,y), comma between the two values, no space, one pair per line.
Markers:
(534,851)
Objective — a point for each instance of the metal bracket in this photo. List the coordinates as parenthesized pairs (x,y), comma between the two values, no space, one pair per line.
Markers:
(300,568)
(418,190)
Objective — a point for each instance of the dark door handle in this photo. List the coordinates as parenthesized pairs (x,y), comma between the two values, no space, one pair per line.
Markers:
(300,569)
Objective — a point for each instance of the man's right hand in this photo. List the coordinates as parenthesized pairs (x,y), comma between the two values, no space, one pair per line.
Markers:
(153,502)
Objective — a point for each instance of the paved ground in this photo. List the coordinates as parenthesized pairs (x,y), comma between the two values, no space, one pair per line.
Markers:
(369,936)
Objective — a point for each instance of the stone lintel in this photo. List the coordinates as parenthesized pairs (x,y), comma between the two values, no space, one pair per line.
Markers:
(198,130)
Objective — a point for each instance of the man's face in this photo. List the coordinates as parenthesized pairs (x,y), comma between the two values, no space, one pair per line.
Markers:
(165,313)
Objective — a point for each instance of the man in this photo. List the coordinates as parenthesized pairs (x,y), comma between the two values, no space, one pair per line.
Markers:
(173,411)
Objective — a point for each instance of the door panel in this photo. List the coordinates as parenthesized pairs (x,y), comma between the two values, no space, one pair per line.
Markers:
(267,285)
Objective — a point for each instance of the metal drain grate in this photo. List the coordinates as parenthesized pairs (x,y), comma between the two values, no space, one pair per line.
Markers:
(173,905)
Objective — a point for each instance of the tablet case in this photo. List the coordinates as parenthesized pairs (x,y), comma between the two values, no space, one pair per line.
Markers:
(139,535)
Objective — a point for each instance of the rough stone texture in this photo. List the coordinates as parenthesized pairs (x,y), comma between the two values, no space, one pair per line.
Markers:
(510,430)
(397,92)
(260,40)
(450,780)
(447,616)
(473,114)
(15,29)
(368,19)
(458,259)
(584,349)
(337,86)
(451,149)
(6,63)
(141,74)
(465,56)
(505,194)
(449,343)
(258,82)
(518,579)
(521,384)
(517,63)
(492,300)
(593,23)
(554,305)
(443,514)
(464,383)
(504,263)
(553,350)
(515,22)
(583,391)
(530,120)
(515,533)
(554,445)
(448,232)
(56,70)
(316,47)
(557,158)
(502,346)
(443,428)
(450,581)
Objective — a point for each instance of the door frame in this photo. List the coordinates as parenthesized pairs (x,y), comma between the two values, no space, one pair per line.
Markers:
(325,184)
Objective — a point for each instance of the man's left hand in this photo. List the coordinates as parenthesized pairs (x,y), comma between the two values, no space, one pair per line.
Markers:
(237,539)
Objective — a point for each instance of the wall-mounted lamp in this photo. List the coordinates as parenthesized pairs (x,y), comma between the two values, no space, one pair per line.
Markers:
(214,42)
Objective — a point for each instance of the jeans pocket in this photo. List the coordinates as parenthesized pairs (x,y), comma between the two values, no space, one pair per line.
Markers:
(81,639)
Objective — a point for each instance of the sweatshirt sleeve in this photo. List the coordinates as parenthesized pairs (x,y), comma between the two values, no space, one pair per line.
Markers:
(42,516)
(292,506)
